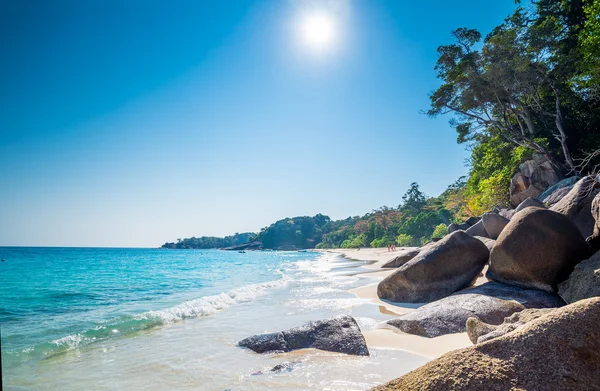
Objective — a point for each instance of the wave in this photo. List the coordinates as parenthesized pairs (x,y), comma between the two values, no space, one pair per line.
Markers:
(203,306)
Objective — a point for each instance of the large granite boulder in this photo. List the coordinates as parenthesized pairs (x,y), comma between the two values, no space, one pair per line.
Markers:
(478,229)
(584,282)
(439,270)
(558,351)
(490,302)
(534,177)
(494,224)
(568,182)
(577,205)
(479,331)
(538,249)
(339,334)
(456,227)
(558,195)
(528,203)
(403,257)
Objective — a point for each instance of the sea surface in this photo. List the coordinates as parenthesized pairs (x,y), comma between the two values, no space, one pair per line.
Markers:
(153,319)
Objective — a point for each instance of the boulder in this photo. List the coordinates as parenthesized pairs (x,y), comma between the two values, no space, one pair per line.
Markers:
(584,282)
(519,183)
(507,213)
(479,331)
(530,192)
(403,257)
(339,334)
(489,243)
(577,205)
(490,302)
(442,268)
(557,196)
(527,203)
(471,221)
(558,351)
(456,227)
(494,224)
(538,249)
(568,182)
(478,230)
(544,176)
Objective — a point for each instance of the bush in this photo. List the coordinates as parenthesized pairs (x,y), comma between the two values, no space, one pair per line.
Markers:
(440,231)
(404,240)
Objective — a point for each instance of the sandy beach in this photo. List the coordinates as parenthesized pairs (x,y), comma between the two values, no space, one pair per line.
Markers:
(388,337)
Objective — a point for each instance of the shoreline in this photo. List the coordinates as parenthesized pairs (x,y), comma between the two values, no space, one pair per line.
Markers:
(387,337)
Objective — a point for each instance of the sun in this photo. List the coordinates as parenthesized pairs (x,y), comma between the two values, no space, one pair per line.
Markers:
(318,30)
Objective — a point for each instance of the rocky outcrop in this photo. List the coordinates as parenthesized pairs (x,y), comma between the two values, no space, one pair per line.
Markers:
(439,270)
(584,282)
(478,229)
(493,224)
(577,205)
(558,351)
(565,183)
(538,249)
(490,302)
(534,177)
(456,227)
(479,331)
(527,203)
(403,257)
(339,334)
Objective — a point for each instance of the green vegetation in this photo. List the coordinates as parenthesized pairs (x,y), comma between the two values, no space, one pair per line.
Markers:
(206,242)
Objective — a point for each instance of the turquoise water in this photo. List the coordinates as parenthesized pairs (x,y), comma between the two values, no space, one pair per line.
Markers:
(56,299)
(83,319)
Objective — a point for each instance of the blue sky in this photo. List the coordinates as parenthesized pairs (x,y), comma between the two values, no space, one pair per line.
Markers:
(134,123)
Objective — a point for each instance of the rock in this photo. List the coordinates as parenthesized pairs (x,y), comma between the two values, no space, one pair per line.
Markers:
(490,302)
(489,243)
(403,257)
(527,203)
(478,230)
(594,239)
(339,334)
(519,183)
(557,196)
(479,331)
(558,351)
(471,221)
(538,249)
(476,328)
(568,182)
(530,192)
(442,268)
(287,366)
(544,176)
(584,282)
(577,205)
(493,224)
(456,227)
(507,213)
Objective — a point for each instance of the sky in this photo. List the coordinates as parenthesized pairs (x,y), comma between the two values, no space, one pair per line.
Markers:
(132,123)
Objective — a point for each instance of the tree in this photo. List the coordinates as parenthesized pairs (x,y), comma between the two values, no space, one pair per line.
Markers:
(413,201)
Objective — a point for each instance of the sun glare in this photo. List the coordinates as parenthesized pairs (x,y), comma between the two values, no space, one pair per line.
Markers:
(318,31)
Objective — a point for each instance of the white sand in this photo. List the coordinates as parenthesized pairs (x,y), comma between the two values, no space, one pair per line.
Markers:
(389,338)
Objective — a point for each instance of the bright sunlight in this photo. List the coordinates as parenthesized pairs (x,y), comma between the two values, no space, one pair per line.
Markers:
(318,30)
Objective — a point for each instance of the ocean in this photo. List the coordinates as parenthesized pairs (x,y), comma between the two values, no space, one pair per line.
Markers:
(154,319)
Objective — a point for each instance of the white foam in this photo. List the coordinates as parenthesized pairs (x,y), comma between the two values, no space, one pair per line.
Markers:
(209,305)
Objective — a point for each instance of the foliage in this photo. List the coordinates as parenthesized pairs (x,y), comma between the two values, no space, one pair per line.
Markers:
(440,231)
(206,242)
(404,240)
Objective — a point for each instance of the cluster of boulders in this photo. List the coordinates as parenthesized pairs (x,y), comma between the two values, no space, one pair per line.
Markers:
(536,259)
